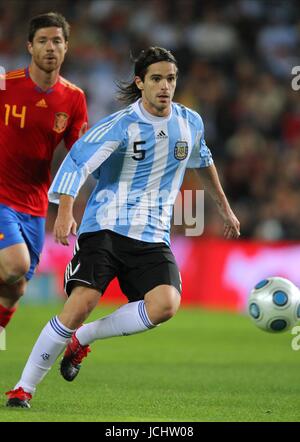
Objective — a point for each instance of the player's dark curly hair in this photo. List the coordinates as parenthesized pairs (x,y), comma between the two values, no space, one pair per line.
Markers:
(47,21)
(129,92)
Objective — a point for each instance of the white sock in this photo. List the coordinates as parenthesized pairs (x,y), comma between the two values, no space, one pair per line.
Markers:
(51,342)
(127,320)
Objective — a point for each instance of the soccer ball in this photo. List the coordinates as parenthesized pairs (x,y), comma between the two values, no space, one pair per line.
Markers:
(274,304)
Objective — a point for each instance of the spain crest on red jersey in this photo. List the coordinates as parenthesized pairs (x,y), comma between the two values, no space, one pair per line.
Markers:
(60,122)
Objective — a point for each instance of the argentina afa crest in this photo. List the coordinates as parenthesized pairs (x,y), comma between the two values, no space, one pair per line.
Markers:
(60,122)
(181,150)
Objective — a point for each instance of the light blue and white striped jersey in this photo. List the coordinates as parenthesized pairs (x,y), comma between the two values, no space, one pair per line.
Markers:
(139,166)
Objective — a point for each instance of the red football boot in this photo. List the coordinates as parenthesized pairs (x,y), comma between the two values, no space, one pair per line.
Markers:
(70,364)
(18,398)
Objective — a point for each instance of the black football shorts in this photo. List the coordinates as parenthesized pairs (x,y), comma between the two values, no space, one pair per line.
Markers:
(140,266)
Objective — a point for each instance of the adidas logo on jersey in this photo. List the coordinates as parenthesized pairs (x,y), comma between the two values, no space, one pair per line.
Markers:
(42,103)
(161,135)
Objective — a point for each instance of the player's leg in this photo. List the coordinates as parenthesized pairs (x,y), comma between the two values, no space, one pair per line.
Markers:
(151,281)
(149,277)
(51,342)
(20,248)
(14,254)
(9,297)
(162,303)
(11,293)
(159,305)
(14,263)
(86,277)
(56,334)
(79,305)
(129,319)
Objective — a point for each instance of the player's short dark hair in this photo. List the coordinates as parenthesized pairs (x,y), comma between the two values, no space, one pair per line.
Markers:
(51,19)
(129,92)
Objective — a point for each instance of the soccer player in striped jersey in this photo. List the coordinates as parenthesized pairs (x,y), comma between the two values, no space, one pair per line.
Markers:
(38,109)
(138,157)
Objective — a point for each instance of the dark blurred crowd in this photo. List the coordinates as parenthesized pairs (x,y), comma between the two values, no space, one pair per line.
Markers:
(235,68)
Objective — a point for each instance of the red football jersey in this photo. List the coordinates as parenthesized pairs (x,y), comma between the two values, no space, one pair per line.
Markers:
(32,123)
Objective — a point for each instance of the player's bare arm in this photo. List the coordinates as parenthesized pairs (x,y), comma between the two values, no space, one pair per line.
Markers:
(65,224)
(210,179)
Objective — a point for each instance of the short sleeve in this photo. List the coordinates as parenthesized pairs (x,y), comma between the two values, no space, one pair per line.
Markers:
(201,155)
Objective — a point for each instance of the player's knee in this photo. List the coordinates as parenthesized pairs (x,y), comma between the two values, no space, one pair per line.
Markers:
(14,291)
(169,308)
(15,263)
(163,306)
(14,272)
(20,287)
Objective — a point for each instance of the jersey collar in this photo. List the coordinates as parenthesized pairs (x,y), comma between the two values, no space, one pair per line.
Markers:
(37,88)
(158,120)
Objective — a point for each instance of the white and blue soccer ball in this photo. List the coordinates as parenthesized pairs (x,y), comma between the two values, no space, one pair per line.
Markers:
(274,304)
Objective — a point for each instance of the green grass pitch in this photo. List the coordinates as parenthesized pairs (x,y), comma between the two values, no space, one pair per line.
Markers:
(200,366)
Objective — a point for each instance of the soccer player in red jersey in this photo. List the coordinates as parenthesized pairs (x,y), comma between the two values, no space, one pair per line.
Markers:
(38,109)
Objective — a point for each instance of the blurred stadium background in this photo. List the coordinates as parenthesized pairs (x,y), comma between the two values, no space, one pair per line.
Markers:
(236,59)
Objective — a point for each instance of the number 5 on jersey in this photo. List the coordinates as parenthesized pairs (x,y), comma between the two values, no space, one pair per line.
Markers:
(140,152)
(15,114)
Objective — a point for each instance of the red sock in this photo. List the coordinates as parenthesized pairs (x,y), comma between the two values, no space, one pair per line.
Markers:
(5,315)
